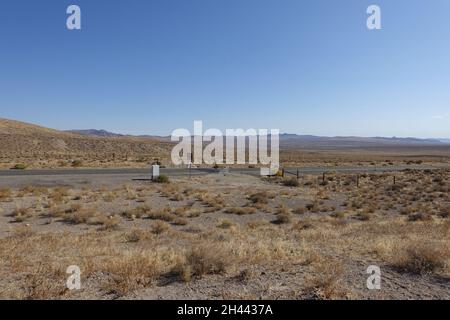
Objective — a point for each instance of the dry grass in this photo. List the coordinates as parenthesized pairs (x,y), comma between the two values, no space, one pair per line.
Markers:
(326,283)
(5,193)
(421,258)
(419,216)
(204,259)
(283,218)
(291,182)
(159,227)
(317,244)
(21,214)
(260,197)
(240,211)
(225,224)
(136,269)
(83,215)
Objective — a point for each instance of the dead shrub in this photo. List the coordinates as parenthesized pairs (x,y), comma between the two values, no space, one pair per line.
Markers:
(444,212)
(419,216)
(255,224)
(327,280)
(299,210)
(283,219)
(291,182)
(177,197)
(338,214)
(46,282)
(22,231)
(134,235)
(5,193)
(180,222)
(240,211)
(313,207)
(159,227)
(59,194)
(21,214)
(137,269)
(78,217)
(107,222)
(364,216)
(225,224)
(302,225)
(282,209)
(206,259)
(162,215)
(259,197)
(421,258)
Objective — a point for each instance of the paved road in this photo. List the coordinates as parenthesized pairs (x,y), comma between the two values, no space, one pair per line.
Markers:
(115,177)
(198,171)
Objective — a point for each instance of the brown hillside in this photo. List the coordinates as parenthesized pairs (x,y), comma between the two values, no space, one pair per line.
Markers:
(37,146)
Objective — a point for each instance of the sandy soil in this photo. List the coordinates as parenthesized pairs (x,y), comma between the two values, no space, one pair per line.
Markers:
(229,237)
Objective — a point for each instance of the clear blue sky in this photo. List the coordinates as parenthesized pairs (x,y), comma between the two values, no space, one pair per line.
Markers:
(151,66)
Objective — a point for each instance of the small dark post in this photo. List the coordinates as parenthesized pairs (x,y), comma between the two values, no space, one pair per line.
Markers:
(323,177)
(297,174)
(357,180)
(282,173)
(394,179)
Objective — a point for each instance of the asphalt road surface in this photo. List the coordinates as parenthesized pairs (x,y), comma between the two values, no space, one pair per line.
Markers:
(196,171)
(113,177)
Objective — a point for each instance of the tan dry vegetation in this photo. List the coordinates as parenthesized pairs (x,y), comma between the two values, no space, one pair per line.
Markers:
(39,147)
(28,146)
(263,239)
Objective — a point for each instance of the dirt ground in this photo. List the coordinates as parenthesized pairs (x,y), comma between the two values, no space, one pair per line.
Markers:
(230,237)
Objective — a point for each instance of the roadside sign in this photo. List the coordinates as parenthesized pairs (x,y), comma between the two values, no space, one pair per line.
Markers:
(155,171)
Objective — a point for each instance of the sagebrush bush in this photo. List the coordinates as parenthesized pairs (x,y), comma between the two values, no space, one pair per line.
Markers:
(240,211)
(283,218)
(419,216)
(19,166)
(291,182)
(77,163)
(259,197)
(205,259)
(421,257)
(159,227)
(299,210)
(161,179)
(5,193)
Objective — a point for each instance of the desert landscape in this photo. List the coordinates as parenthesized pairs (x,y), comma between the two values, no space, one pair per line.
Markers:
(222,235)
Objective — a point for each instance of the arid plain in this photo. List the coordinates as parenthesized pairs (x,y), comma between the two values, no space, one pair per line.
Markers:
(223,236)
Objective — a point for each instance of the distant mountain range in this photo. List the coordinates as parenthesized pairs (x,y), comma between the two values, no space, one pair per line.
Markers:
(304,141)
(294,140)
(95,133)
(107,134)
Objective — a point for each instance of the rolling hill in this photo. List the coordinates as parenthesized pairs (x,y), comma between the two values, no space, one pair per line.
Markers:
(32,144)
